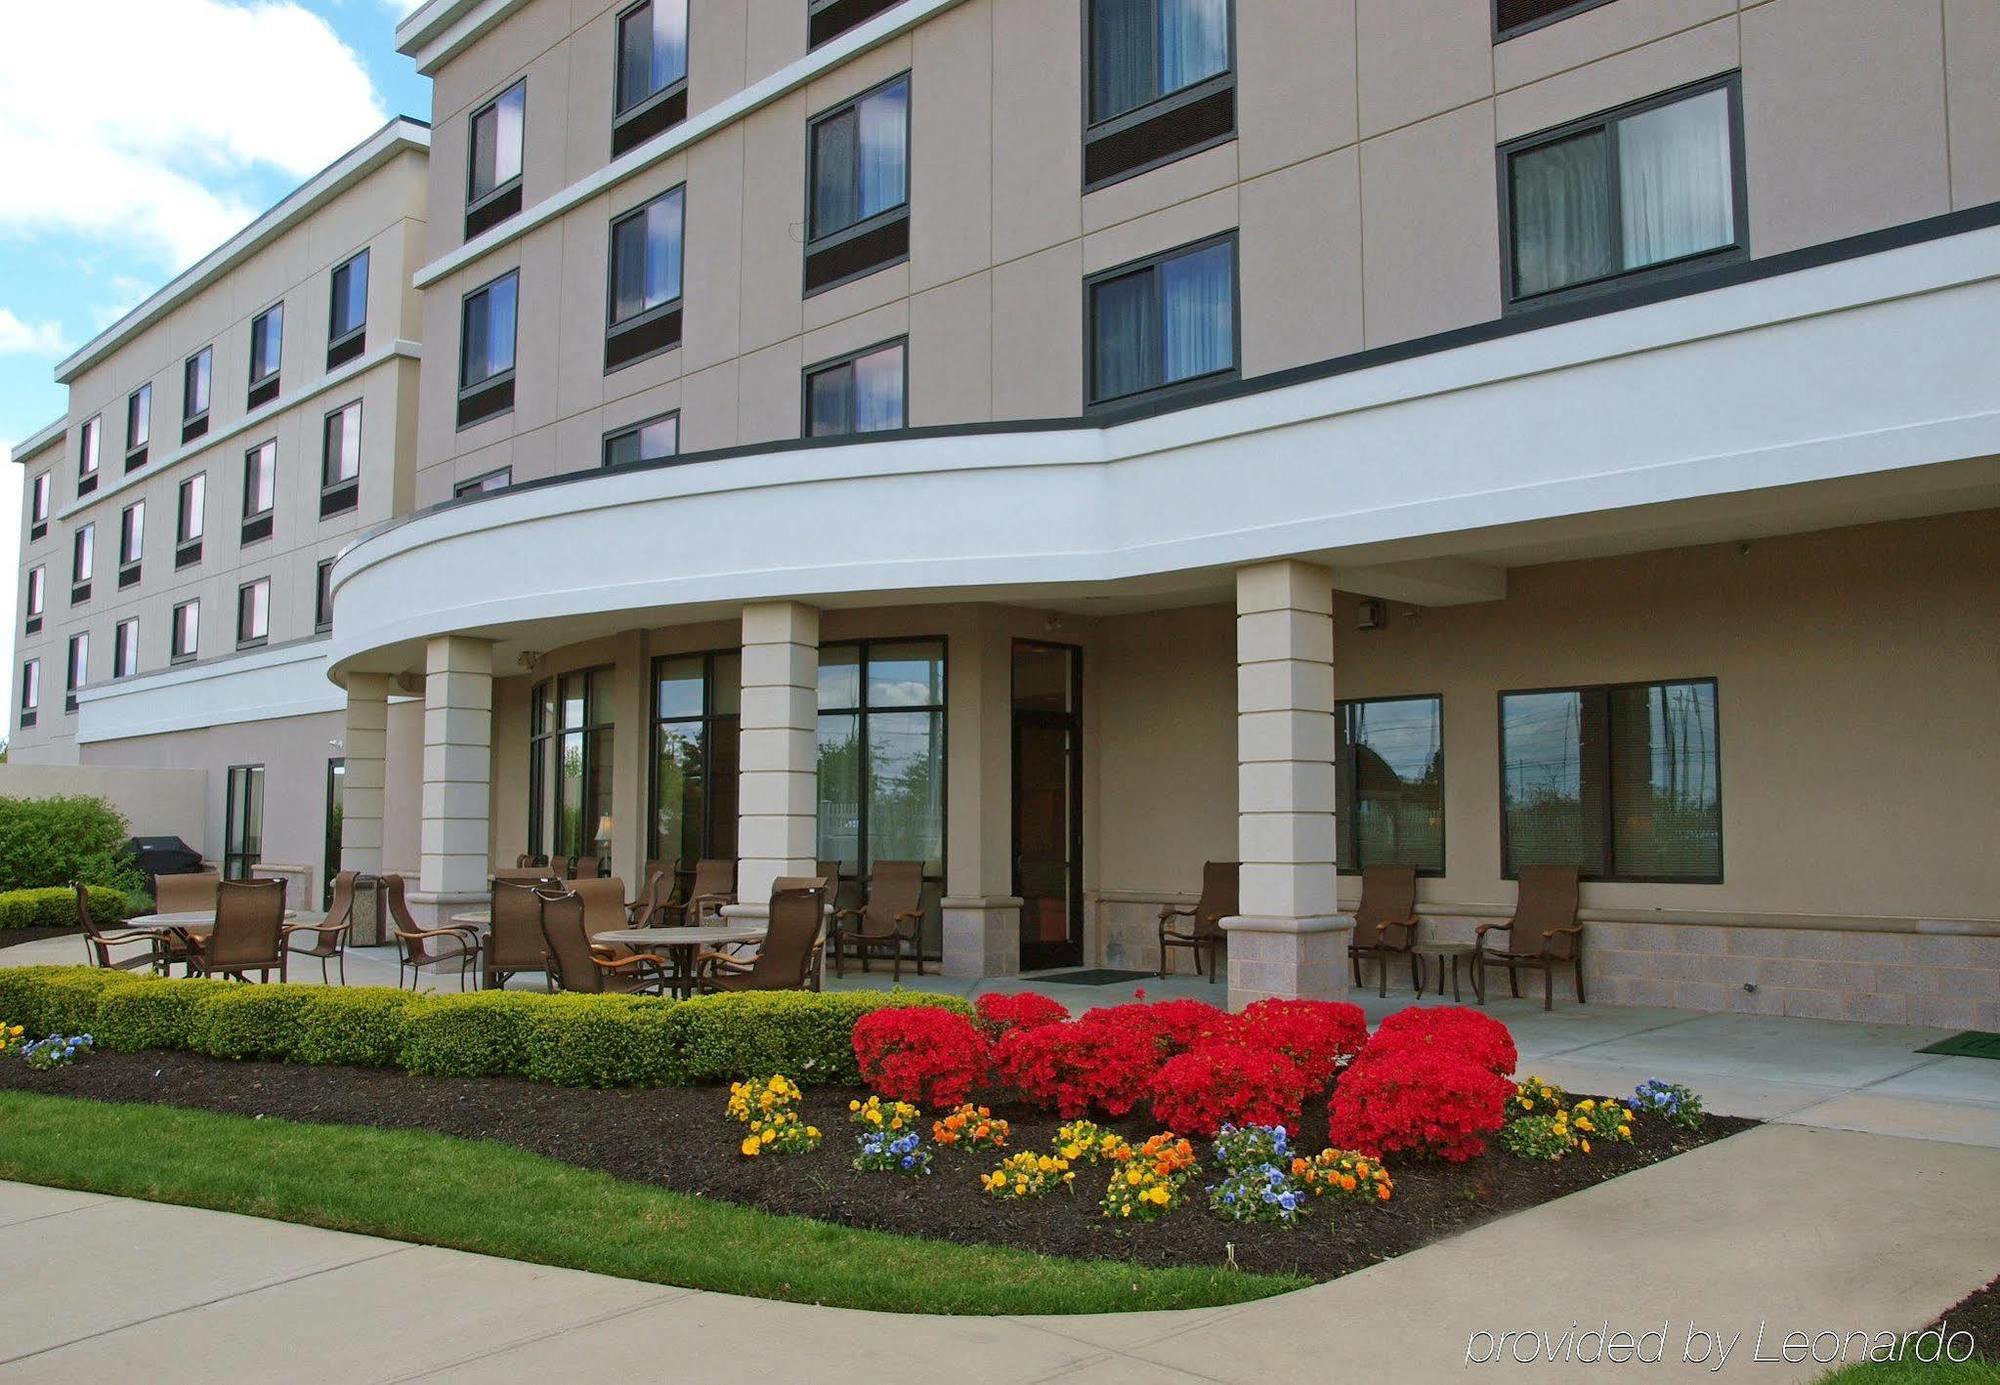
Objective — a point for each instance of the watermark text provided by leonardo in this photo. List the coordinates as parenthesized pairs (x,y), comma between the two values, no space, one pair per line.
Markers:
(1713,1347)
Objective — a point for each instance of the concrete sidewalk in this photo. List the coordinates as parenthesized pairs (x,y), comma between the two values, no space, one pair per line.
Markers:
(1792,1227)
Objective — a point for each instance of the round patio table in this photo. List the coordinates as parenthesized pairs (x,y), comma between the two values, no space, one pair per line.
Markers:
(680,943)
(1449,954)
(191,922)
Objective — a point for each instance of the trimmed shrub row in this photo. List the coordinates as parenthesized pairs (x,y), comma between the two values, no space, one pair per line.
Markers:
(566,1040)
(56,908)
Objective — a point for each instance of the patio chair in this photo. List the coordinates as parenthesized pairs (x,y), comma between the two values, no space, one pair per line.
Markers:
(644,910)
(1543,934)
(249,932)
(789,957)
(1385,924)
(185,894)
(585,868)
(603,902)
(713,886)
(451,944)
(559,867)
(532,875)
(329,941)
(1203,935)
(97,942)
(576,965)
(514,941)
(890,919)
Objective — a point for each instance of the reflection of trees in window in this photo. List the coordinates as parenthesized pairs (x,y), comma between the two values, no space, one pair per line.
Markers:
(696,721)
(571,721)
(1390,776)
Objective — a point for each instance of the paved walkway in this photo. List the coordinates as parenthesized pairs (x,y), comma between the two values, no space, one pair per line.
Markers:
(1791,1227)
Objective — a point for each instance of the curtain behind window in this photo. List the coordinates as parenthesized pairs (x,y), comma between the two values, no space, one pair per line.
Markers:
(1563,213)
(885,129)
(834,180)
(1198,314)
(1677,180)
(1194,41)
(1126,339)
(1123,52)
(878,391)
(830,402)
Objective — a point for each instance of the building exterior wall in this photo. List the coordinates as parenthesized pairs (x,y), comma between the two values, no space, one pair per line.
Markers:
(170,801)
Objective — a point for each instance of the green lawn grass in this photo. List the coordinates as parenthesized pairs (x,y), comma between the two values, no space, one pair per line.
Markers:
(1916,1373)
(494,1199)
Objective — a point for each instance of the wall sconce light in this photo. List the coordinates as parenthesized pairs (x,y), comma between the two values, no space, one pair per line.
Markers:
(1371,614)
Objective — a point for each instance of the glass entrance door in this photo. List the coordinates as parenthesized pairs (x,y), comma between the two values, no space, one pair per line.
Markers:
(336,798)
(1048,802)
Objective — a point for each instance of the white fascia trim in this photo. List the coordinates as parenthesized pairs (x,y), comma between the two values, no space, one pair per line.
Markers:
(434,32)
(783,82)
(262,685)
(250,422)
(399,134)
(40,439)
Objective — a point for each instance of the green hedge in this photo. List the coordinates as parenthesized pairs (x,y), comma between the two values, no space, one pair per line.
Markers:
(47,842)
(56,908)
(566,1040)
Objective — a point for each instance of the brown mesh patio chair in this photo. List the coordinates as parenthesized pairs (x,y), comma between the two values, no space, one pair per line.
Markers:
(1203,935)
(514,941)
(713,886)
(159,946)
(193,893)
(603,902)
(329,934)
(532,875)
(249,932)
(584,868)
(1543,934)
(559,867)
(449,945)
(1385,924)
(887,922)
(788,960)
(576,965)
(644,911)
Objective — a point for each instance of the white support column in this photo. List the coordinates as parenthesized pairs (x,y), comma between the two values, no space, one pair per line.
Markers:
(1289,939)
(458,772)
(365,749)
(777,805)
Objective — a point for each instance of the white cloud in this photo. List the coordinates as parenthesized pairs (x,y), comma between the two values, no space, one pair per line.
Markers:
(179,104)
(29,338)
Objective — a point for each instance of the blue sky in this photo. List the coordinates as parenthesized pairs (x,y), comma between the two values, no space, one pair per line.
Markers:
(197,116)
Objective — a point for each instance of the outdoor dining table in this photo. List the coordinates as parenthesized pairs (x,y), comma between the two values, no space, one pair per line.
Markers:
(681,943)
(187,924)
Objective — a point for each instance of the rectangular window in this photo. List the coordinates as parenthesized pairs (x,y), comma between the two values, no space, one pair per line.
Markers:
(486,350)
(125,649)
(38,502)
(347,315)
(196,376)
(571,736)
(651,441)
(859,186)
(1389,783)
(862,393)
(138,425)
(696,713)
(643,308)
(260,480)
(87,454)
(1623,782)
(83,555)
(496,480)
(882,759)
(131,542)
(652,71)
(829,19)
(1163,322)
(253,612)
(1512,18)
(340,460)
(79,660)
(323,596)
(1162,84)
(267,344)
(1647,190)
(243,830)
(31,689)
(190,519)
(493,172)
(187,630)
(37,592)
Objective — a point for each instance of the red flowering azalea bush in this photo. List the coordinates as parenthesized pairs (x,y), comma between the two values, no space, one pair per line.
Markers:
(1216,1083)
(1418,1100)
(1449,1028)
(1170,1026)
(1000,1015)
(922,1054)
(1079,1064)
(1315,1034)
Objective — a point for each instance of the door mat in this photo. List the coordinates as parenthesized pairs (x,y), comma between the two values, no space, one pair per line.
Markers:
(1971,1044)
(1091,976)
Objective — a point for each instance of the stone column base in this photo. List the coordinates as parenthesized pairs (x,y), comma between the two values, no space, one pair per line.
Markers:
(435,910)
(1295,959)
(982,935)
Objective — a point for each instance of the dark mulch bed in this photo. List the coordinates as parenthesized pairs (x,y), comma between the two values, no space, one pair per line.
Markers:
(11,936)
(1979,1314)
(682,1138)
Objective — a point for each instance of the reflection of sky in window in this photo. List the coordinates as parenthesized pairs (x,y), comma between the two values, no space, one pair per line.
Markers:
(1680,734)
(1541,734)
(1404,734)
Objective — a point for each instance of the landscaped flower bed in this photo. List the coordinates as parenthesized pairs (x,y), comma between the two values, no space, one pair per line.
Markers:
(1313,1203)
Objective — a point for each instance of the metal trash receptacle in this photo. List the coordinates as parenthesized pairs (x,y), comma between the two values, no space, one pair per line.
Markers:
(371,913)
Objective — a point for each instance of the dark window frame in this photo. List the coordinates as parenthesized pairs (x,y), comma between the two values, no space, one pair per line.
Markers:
(648,322)
(1555,16)
(35,594)
(1508,871)
(1234,371)
(264,388)
(135,452)
(848,358)
(635,121)
(816,243)
(118,666)
(713,724)
(343,346)
(867,10)
(249,457)
(175,653)
(1620,281)
(323,595)
(194,422)
(501,381)
(187,546)
(131,536)
(90,448)
(1347,827)
(503,199)
(475,485)
(31,690)
(244,607)
(75,678)
(616,433)
(1162,105)
(545,752)
(41,491)
(85,537)
(240,853)
(339,495)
